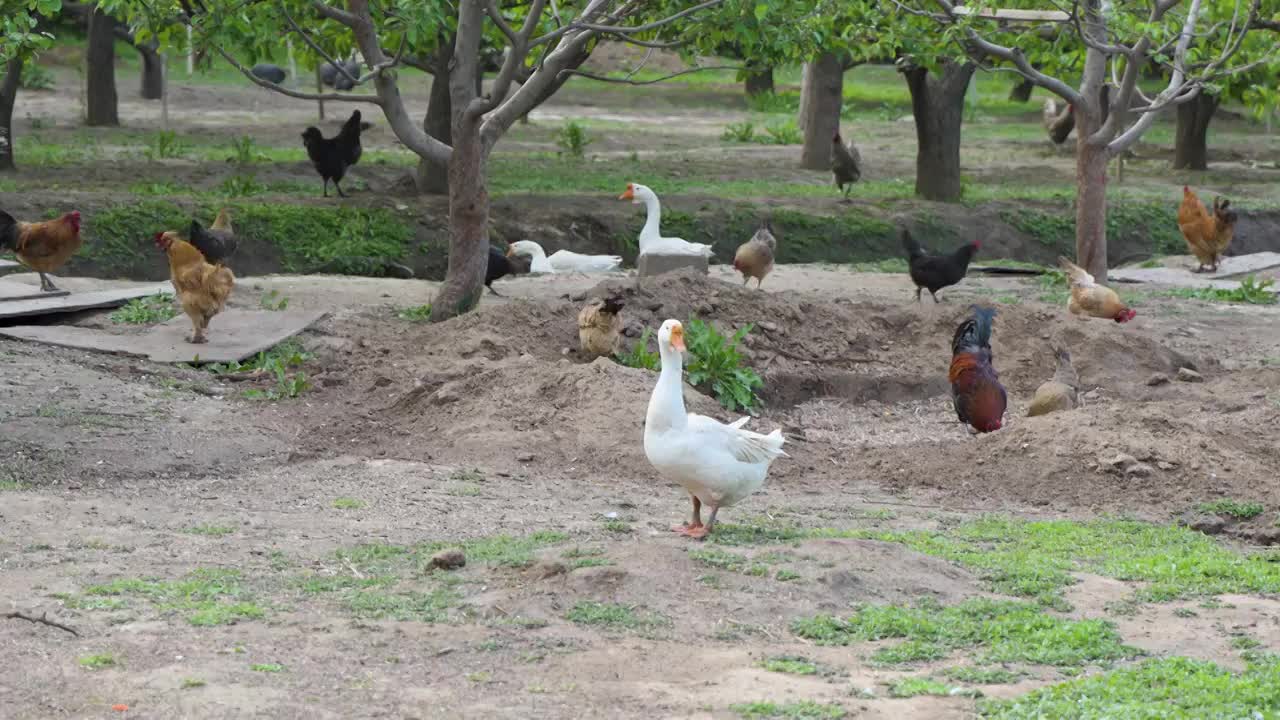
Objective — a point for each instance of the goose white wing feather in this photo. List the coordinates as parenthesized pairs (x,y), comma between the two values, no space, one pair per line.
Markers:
(744,445)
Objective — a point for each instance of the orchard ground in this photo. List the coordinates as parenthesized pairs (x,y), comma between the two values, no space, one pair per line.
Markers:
(222,555)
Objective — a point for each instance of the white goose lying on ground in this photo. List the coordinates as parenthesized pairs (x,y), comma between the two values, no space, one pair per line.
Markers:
(718,464)
(563,260)
(651,240)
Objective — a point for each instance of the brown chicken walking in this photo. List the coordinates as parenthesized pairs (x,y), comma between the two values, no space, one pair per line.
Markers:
(1207,236)
(754,258)
(202,288)
(42,246)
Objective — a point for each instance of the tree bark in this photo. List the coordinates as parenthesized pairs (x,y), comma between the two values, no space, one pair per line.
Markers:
(8,94)
(823,97)
(1191,149)
(937,104)
(804,95)
(100,101)
(152,87)
(1091,191)
(432,178)
(759,82)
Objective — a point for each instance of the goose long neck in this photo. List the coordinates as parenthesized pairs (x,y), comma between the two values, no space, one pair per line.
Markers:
(653,215)
(666,406)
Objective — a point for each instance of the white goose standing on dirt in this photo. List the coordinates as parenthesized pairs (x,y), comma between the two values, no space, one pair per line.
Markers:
(717,464)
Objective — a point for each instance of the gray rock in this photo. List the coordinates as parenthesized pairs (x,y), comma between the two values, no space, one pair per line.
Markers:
(651,264)
(1139,470)
(1158,379)
(1189,375)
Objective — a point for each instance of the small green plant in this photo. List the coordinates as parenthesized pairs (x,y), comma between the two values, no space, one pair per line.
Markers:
(782,133)
(244,151)
(572,139)
(97,662)
(914,686)
(617,526)
(716,365)
(639,356)
(790,665)
(165,145)
(346,503)
(192,683)
(1232,508)
(418,313)
(242,185)
(211,530)
(740,132)
(982,676)
(274,301)
(1251,291)
(35,77)
(149,310)
(613,616)
(803,710)
(275,363)
(267,667)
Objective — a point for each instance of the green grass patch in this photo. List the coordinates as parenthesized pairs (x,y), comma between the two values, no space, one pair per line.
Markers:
(1232,508)
(267,667)
(615,616)
(12,486)
(803,710)
(422,606)
(1169,689)
(915,686)
(418,313)
(205,596)
(1001,631)
(620,527)
(281,363)
(191,683)
(97,662)
(982,676)
(790,665)
(148,310)
(346,503)
(1251,291)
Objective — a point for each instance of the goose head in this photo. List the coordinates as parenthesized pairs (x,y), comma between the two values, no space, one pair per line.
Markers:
(526,247)
(671,337)
(636,193)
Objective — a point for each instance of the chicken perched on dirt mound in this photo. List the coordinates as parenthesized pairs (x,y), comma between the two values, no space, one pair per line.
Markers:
(934,272)
(42,246)
(754,258)
(600,326)
(1060,393)
(1207,235)
(979,397)
(846,164)
(219,242)
(1089,299)
(332,156)
(203,288)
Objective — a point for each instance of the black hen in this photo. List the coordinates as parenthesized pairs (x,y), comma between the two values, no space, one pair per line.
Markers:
(332,156)
(217,243)
(935,272)
(499,266)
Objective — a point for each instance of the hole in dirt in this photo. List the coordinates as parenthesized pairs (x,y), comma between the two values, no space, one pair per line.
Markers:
(789,389)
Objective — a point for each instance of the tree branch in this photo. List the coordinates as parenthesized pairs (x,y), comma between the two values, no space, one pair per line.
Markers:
(1015,56)
(629,81)
(339,97)
(1174,88)
(42,620)
(334,13)
(314,45)
(517,52)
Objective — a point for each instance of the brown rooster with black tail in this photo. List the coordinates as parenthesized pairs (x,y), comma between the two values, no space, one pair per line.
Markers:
(979,397)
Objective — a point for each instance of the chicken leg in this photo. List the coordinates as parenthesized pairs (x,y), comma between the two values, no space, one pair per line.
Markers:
(339,188)
(694,527)
(326,187)
(46,285)
(934,296)
(918,289)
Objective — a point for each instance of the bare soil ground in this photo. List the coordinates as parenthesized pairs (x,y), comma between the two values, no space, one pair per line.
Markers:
(423,436)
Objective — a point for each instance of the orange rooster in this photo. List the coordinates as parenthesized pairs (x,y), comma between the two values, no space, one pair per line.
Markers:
(202,288)
(979,397)
(1088,298)
(1208,236)
(42,246)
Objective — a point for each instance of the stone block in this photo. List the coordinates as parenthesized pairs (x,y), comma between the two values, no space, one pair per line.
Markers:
(651,264)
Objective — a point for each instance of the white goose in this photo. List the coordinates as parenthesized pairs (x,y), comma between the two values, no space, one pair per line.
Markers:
(651,240)
(718,464)
(563,260)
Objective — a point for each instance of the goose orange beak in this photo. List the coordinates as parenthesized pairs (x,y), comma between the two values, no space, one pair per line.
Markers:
(511,251)
(677,338)
(630,193)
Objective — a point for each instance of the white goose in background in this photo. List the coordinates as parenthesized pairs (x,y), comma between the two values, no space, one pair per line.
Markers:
(563,260)
(718,464)
(651,240)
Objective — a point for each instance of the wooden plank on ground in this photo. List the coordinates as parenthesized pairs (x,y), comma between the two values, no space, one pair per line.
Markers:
(78,301)
(10,291)
(234,335)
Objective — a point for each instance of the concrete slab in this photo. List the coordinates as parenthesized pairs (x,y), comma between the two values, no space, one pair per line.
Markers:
(47,305)
(22,291)
(8,266)
(1229,270)
(650,264)
(234,335)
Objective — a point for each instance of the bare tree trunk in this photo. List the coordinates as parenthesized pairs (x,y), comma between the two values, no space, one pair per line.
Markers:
(821,113)
(8,94)
(759,82)
(804,96)
(433,178)
(1191,149)
(100,101)
(152,78)
(937,103)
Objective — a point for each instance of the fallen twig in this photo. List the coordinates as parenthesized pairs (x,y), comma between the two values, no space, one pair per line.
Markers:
(42,620)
